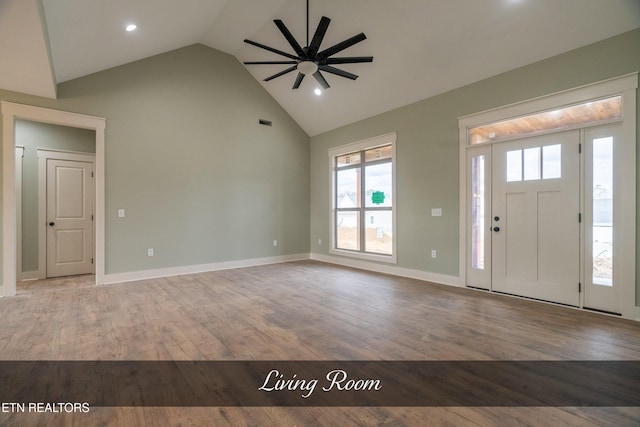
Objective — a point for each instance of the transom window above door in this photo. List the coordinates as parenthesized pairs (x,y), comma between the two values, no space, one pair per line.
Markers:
(593,112)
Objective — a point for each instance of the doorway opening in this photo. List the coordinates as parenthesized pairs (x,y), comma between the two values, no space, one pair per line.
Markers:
(12,112)
(42,182)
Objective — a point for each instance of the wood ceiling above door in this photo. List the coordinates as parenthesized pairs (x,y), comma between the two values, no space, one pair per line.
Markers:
(590,112)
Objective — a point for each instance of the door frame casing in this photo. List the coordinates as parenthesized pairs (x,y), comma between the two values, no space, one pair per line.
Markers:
(10,113)
(44,155)
(19,155)
(626,242)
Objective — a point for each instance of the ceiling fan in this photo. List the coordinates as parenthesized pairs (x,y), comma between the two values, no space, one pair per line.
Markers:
(310,59)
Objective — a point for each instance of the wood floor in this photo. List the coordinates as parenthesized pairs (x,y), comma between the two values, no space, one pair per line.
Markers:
(304,311)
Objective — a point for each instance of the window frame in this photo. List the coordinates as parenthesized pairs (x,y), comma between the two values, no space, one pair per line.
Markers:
(361,146)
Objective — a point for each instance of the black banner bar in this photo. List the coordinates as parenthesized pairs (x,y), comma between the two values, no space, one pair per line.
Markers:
(323,383)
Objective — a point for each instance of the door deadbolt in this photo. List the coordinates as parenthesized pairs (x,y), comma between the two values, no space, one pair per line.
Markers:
(52,224)
(496,218)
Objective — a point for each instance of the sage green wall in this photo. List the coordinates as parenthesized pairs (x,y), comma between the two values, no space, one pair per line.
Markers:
(428,147)
(31,136)
(200,179)
(203,182)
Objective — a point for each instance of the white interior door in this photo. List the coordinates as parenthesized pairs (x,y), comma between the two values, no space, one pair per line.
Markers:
(535,229)
(69,218)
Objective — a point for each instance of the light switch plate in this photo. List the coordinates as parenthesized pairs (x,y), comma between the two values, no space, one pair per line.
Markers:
(436,212)
(120,213)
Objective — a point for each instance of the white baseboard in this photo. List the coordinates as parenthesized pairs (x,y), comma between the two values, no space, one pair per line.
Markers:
(201,268)
(28,276)
(389,269)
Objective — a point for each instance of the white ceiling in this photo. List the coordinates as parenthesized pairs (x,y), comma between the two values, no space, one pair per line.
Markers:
(421,47)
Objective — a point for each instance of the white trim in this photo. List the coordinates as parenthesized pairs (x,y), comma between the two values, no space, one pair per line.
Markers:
(389,138)
(462,220)
(625,207)
(10,112)
(624,85)
(369,256)
(45,154)
(364,144)
(602,89)
(65,154)
(201,268)
(19,154)
(74,156)
(28,276)
(410,273)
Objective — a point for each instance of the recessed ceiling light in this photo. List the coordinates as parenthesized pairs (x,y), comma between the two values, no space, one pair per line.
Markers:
(131,27)
(317,92)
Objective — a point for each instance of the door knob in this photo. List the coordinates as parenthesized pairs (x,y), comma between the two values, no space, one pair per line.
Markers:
(496,228)
(52,224)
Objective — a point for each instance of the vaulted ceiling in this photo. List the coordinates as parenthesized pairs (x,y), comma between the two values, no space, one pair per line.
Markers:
(421,47)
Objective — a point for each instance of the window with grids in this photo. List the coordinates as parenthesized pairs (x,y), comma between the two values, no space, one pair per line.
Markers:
(363,215)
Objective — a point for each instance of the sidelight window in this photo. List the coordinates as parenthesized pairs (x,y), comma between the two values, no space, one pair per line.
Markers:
(603,211)
(478,200)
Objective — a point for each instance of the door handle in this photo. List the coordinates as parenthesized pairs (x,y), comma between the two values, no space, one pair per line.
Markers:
(52,224)
(496,229)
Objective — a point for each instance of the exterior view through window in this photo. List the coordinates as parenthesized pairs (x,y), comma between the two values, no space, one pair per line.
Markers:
(477,212)
(603,211)
(363,200)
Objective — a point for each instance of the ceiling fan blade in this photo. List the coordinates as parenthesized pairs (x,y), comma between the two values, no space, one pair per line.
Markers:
(318,37)
(287,35)
(342,46)
(281,73)
(349,60)
(320,78)
(296,85)
(269,62)
(337,72)
(270,49)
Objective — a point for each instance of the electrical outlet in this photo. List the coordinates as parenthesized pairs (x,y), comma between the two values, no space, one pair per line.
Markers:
(150,252)
(434,253)
(275,243)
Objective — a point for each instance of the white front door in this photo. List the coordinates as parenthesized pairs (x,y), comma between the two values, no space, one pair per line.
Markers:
(69,218)
(535,229)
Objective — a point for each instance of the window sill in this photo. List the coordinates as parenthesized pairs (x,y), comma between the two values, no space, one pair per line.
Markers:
(389,259)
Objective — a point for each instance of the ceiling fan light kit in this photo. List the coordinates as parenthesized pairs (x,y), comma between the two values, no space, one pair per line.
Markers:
(309,59)
(307,67)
